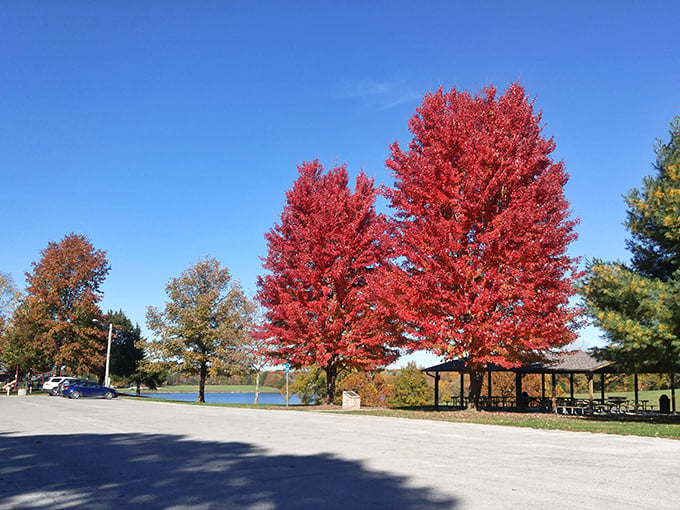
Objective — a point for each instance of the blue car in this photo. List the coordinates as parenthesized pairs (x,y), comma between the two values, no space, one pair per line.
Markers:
(69,381)
(89,389)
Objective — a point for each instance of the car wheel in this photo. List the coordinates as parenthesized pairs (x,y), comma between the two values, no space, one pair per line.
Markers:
(75,394)
(108,395)
(54,392)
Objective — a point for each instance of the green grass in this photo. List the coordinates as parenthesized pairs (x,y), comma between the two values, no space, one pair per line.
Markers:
(651,395)
(626,425)
(214,388)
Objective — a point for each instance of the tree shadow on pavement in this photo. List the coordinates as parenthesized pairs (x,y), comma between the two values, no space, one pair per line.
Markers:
(163,471)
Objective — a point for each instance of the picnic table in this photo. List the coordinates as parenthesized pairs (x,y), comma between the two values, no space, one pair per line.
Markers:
(457,401)
(644,404)
(618,404)
(572,406)
(501,401)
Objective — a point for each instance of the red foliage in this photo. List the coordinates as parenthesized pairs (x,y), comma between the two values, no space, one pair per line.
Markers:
(484,228)
(327,261)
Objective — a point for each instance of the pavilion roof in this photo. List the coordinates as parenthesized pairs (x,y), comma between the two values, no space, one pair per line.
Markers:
(557,362)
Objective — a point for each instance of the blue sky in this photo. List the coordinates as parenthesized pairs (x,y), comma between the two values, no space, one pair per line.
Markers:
(168,131)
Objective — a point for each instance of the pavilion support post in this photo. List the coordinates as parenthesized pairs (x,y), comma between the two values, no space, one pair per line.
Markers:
(602,386)
(436,390)
(571,386)
(488,385)
(518,390)
(543,404)
(543,386)
(553,380)
(637,391)
(591,391)
(462,390)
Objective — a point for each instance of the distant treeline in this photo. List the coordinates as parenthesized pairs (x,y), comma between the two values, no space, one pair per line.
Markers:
(273,378)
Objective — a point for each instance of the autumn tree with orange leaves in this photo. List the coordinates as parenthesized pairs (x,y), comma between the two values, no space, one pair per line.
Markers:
(484,227)
(204,327)
(58,325)
(324,294)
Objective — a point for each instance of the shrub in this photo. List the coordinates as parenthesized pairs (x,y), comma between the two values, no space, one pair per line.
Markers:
(310,385)
(410,388)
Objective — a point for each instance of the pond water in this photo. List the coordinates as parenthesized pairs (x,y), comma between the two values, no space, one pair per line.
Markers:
(228,398)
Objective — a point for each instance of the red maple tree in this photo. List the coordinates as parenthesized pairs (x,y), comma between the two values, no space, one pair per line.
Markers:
(324,294)
(484,227)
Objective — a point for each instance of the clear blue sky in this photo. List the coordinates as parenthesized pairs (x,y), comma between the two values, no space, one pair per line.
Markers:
(168,131)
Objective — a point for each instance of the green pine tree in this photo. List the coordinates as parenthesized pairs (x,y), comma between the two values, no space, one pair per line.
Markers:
(637,305)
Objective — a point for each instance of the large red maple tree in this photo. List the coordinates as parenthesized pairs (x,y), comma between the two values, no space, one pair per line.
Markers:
(324,294)
(484,227)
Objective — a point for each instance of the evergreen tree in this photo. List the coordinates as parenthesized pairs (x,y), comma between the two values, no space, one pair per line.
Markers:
(125,354)
(638,304)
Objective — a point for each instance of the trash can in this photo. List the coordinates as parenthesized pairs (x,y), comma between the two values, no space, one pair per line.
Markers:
(351,400)
(664,404)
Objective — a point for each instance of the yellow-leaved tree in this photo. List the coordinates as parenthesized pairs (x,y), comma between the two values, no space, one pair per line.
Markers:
(205,325)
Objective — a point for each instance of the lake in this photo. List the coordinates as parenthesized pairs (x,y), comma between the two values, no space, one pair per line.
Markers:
(228,398)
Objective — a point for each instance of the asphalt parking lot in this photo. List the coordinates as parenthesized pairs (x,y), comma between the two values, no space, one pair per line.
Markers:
(58,453)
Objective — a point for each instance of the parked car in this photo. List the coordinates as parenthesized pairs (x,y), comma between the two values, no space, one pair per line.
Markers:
(66,383)
(51,386)
(89,389)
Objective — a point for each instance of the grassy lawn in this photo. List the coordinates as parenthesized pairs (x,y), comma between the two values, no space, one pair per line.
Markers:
(214,388)
(627,425)
(651,395)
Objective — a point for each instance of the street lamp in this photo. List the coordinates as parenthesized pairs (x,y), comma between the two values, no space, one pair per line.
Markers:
(107,379)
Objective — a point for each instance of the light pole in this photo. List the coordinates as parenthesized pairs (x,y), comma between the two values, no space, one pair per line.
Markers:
(107,379)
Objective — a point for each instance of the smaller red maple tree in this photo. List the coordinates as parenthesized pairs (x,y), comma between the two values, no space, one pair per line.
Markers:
(324,296)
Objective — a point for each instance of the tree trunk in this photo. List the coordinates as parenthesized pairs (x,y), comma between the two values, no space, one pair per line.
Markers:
(331,377)
(257,386)
(476,380)
(201,382)
(139,389)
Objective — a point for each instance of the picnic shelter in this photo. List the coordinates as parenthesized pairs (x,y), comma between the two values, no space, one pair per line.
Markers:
(553,365)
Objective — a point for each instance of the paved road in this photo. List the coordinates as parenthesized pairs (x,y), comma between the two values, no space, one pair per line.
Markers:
(96,454)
